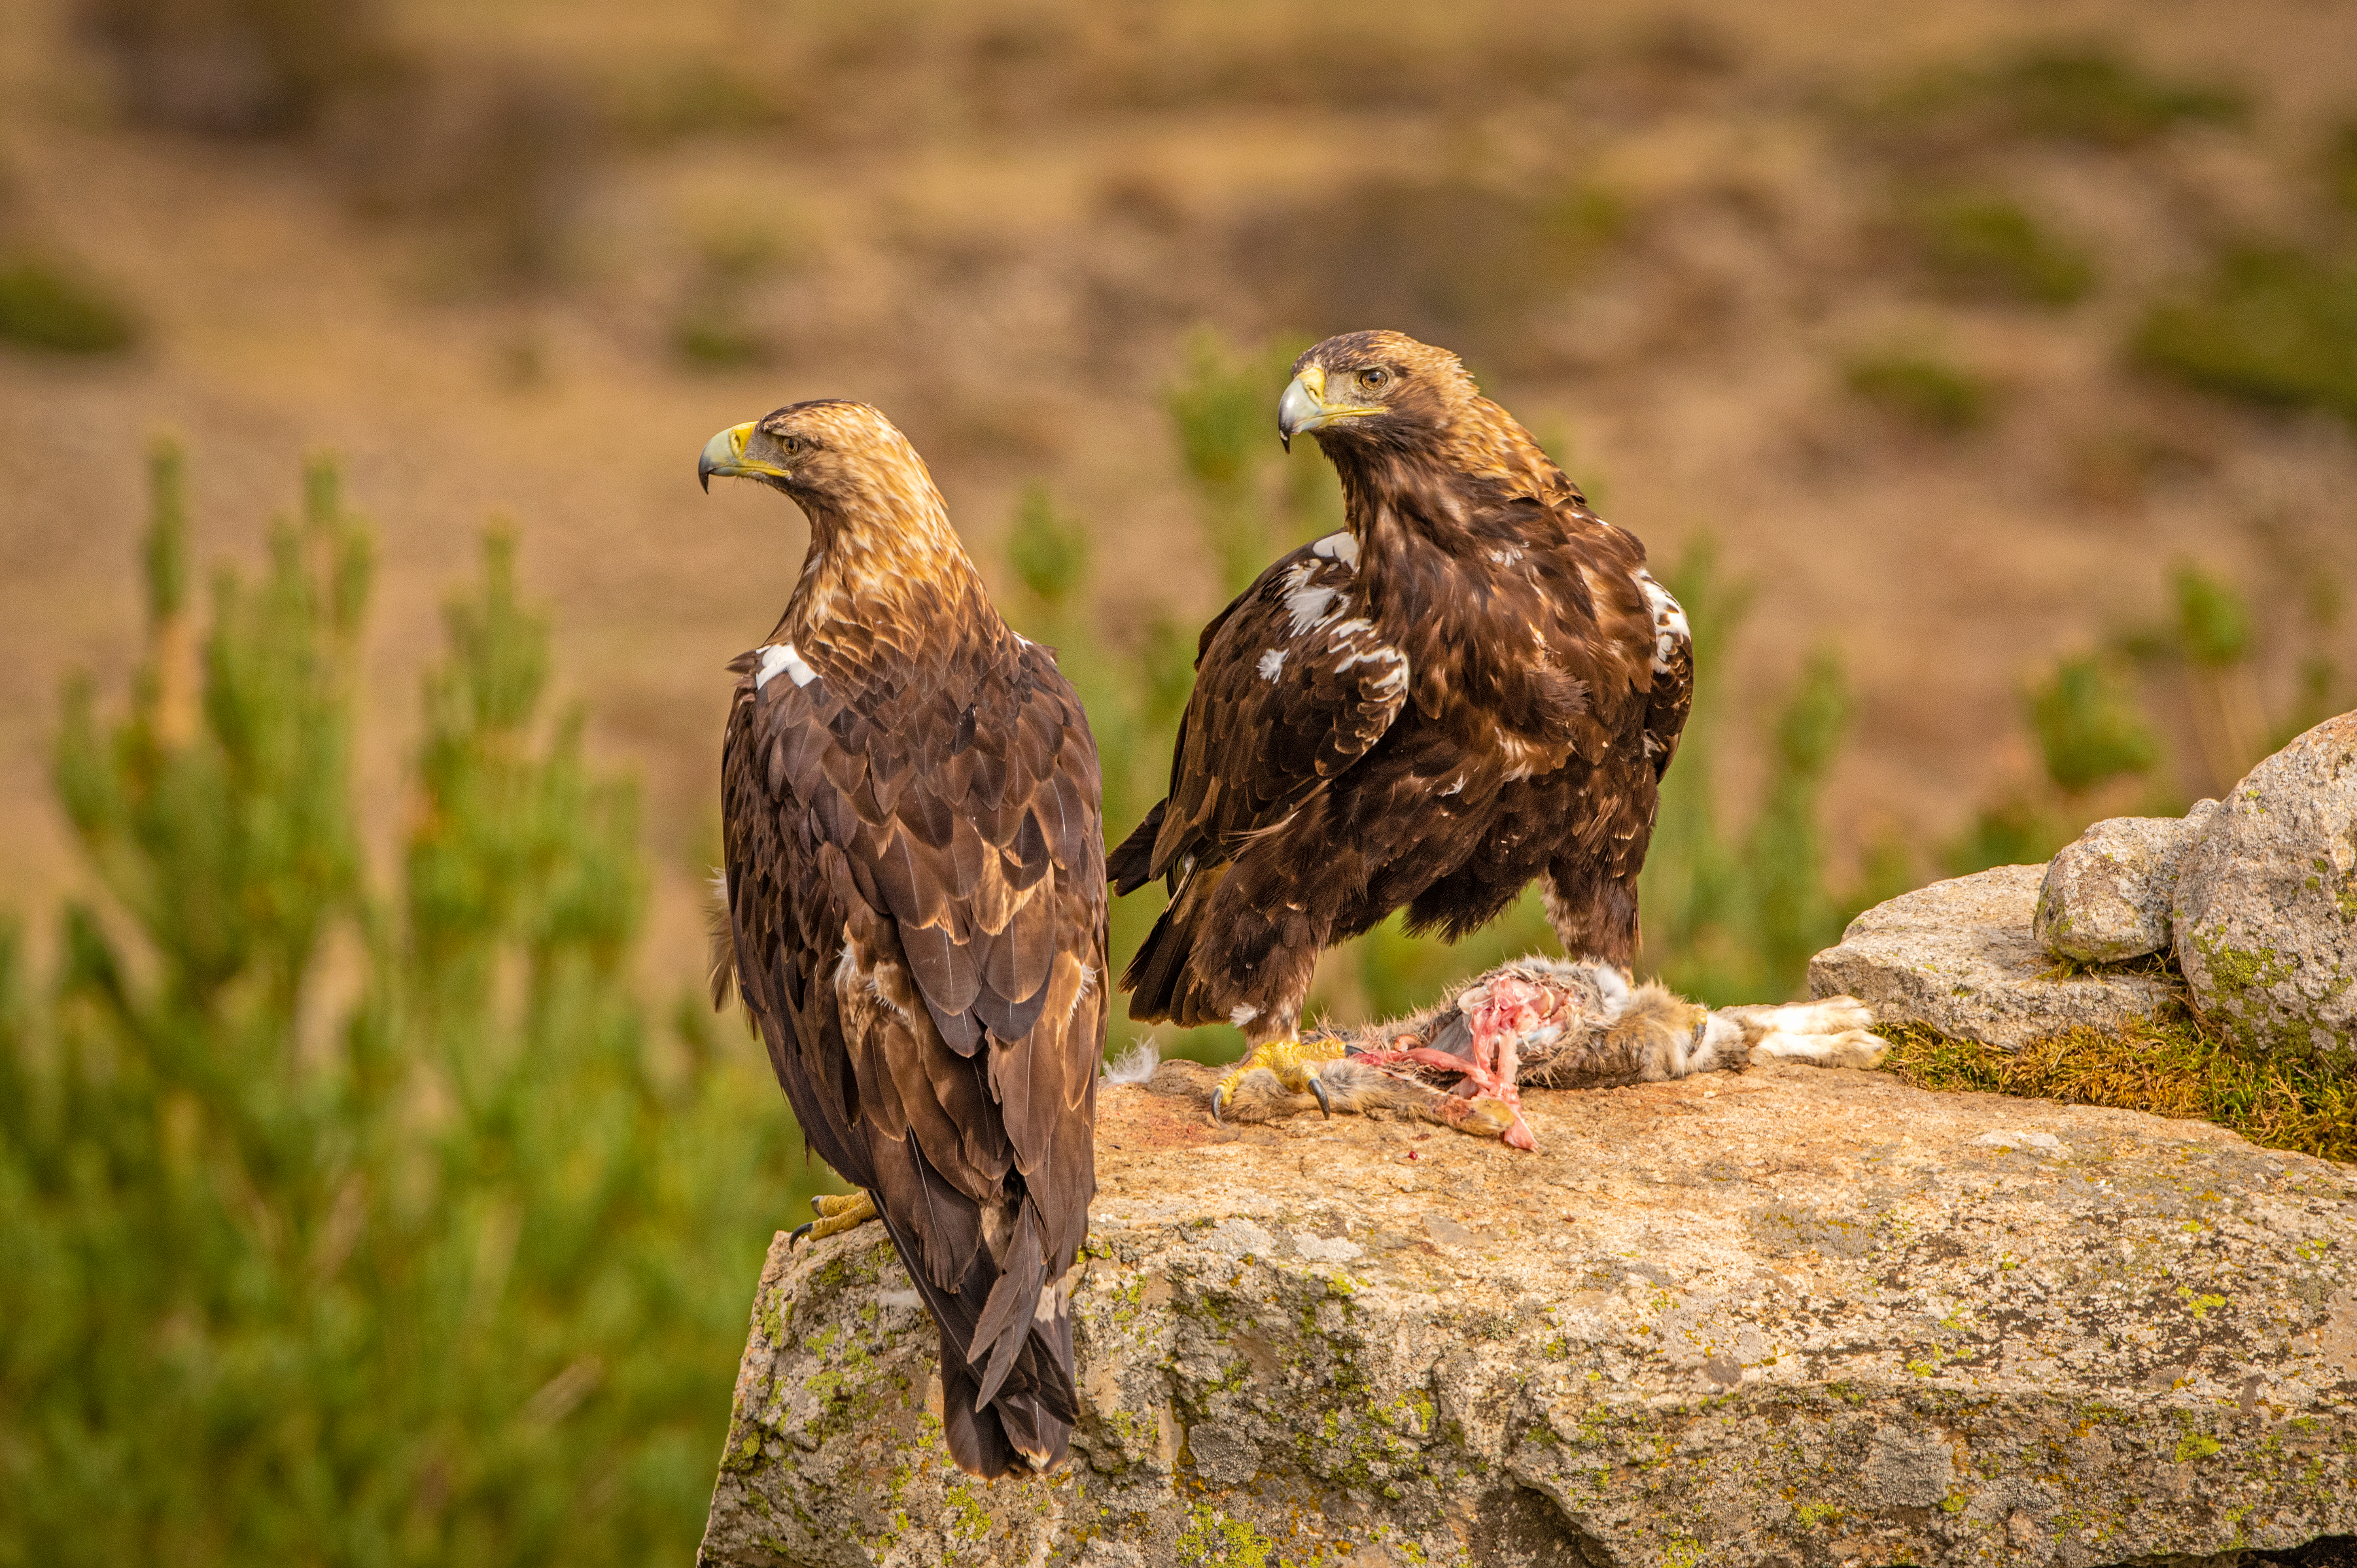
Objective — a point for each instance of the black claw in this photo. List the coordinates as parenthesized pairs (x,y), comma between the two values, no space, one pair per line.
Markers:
(1217,1096)
(1325,1105)
(817,1208)
(801,1232)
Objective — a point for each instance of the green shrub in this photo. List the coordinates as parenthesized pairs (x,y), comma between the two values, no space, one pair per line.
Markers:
(2272,327)
(1985,246)
(2087,727)
(2078,93)
(1735,916)
(2088,730)
(1050,552)
(1924,390)
(42,305)
(2092,731)
(2339,168)
(341,1224)
(708,335)
(1224,412)
(2091,93)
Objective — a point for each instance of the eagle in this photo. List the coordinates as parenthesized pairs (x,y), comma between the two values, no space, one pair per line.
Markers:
(915,913)
(1476,685)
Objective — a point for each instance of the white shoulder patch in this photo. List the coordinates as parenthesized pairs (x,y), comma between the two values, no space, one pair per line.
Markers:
(1272,664)
(1342,547)
(779,656)
(1669,620)
(1309,605)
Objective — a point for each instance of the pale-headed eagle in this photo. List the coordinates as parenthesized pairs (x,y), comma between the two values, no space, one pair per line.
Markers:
(916,912)
(1478,684)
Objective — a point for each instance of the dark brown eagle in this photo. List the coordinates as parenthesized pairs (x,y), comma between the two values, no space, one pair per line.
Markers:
(916,912)
(1477,685)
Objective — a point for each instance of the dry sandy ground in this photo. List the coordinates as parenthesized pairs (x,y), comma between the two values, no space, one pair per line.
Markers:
(1015,291)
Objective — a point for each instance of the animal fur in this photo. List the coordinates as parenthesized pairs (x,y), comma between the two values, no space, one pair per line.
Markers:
(1597,1031)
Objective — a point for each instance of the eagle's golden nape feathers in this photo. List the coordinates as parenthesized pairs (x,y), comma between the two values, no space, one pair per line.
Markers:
(1476,686)
(916,912)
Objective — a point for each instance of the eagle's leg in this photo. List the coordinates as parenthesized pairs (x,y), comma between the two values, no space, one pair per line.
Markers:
(836,1214)
(1290,1061)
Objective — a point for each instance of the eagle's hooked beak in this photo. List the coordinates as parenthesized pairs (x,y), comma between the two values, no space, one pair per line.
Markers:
(725,454)
(1298,409)
(1304,407)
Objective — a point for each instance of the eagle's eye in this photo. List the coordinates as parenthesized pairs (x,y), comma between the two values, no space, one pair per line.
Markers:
(791,445)
(1373,378)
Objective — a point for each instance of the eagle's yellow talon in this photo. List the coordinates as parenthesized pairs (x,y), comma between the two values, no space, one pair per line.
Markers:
(1291,1060)
(837,1212)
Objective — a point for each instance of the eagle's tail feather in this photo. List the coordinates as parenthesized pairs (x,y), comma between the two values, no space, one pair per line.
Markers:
(1131,865)
(1008,1402)
(1000,1332)
(1028,1425)
(976,1438)
(1158,971)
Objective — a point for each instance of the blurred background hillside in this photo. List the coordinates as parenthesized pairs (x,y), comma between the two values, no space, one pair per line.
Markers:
(1958,330)
(1982,374)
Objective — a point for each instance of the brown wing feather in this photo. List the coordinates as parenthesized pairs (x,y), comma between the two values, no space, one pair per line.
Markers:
(1290,689)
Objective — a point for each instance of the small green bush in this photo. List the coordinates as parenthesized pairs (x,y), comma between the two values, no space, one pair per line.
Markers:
(2272,327)
(1224,412)
(2092,732)
(2087,726)
(2014,830)
(2073,92)
(1989,246)
(1049,550)
(1926,391)
(1734,914)
(707,338)
(45,307)
(2340,169)
(2093,94)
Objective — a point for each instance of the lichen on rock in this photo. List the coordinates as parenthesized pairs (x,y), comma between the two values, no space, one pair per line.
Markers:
(1794,1316)
(2105,896)
(2265,908)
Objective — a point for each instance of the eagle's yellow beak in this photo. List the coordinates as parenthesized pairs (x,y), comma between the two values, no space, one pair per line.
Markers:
(725,454)
(1304,407)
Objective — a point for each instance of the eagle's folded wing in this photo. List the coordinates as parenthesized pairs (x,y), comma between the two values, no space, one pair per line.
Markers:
(1290,689)
(967,887)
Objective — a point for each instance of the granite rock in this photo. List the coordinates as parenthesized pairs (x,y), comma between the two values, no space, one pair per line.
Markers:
(1792,1317)
(1960,956)
(2106,896)
(2266,911)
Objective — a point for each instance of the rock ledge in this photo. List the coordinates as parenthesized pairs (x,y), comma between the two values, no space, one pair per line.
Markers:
(1790,1316)
(1961,956)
